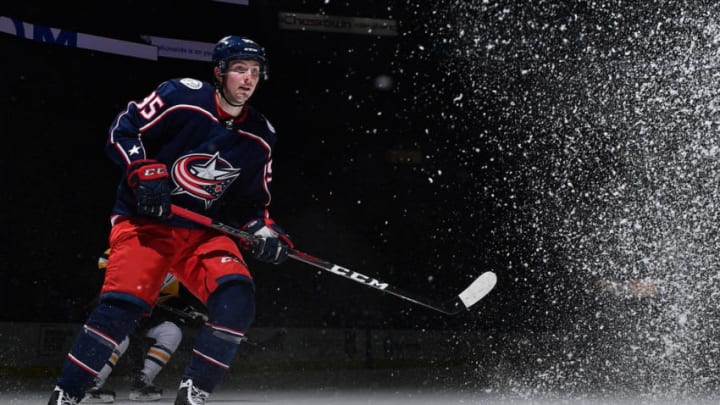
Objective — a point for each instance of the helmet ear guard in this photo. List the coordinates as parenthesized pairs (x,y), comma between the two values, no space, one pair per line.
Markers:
(234,47)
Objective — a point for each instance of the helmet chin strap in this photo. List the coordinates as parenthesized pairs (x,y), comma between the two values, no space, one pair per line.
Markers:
(221,90)
(222,93)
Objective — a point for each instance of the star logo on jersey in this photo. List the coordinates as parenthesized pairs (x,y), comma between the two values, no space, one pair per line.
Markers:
(203,176)
(134,150)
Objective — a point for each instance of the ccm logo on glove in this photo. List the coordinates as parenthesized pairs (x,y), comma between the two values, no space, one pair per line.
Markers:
(151,185)
(145,170)
(155,172)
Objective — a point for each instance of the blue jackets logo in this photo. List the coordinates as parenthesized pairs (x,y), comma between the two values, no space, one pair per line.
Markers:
(203,176)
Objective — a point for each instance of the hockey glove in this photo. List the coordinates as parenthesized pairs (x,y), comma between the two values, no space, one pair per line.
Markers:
(272,244)
(151,186)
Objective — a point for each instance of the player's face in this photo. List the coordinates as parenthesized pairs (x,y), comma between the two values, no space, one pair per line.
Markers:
(241,78)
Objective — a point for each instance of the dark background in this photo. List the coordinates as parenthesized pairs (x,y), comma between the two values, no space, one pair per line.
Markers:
(561,144)
(429,226)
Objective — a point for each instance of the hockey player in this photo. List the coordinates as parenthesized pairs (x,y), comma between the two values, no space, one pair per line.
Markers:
(203,147)
(162,331)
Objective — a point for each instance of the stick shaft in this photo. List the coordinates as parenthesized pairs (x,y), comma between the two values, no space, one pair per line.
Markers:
(453,307)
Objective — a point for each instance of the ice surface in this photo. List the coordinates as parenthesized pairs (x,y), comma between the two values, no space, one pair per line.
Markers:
(34,391)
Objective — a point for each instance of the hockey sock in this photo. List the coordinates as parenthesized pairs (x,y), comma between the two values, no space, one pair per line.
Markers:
(231,310)
(155,360)
(108,324)
(167,337)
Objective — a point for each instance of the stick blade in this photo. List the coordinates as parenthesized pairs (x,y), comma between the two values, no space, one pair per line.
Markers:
(478,289)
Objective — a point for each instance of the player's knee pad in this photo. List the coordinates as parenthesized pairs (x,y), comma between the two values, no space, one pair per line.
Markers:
(112,321)
(167,335)
(232,307)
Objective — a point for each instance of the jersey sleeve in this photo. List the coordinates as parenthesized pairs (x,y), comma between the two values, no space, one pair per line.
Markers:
(127,141)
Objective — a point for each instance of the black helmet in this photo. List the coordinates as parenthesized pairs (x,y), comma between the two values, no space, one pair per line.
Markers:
(235,47)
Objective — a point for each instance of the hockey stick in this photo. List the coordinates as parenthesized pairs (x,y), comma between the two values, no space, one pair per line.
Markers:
(182,314)
(467,298)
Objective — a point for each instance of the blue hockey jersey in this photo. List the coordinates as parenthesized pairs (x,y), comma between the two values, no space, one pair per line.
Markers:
(219,166)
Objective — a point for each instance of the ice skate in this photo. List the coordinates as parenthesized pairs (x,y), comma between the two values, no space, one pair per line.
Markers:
(60,397)
(99,395)
(189,394)
(143,390)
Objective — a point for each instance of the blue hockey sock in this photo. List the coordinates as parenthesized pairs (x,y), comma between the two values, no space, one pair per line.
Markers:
(231,310)
(104,330)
